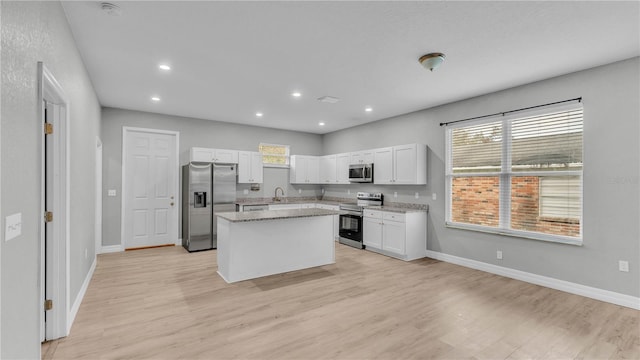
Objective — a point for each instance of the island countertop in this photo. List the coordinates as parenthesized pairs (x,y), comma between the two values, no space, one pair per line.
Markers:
(275,214)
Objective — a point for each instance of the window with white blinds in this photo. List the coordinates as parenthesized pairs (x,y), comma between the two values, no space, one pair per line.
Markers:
(519,174)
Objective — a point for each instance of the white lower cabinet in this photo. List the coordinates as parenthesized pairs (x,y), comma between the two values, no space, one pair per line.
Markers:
(284,206)
(336,218)
(400,235)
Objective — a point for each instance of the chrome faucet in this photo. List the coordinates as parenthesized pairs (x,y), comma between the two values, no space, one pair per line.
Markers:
(275,195)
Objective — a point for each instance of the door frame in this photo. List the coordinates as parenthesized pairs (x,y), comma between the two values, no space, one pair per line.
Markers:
(126,130)
(98,220)
(57,274)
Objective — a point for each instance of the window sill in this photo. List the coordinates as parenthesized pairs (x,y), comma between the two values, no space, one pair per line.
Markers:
(519,234)
(281,166)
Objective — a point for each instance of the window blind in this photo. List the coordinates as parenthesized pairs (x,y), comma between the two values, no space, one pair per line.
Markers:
(519,175)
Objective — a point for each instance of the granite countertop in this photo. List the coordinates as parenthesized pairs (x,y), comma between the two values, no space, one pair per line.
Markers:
(274,214)
(291,200)
(399,209)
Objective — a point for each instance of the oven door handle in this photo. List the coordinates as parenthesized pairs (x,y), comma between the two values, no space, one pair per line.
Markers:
(352,213)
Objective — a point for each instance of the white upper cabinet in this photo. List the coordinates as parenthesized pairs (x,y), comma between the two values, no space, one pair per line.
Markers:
(404,164)
(362,157)
(225,156)
(342,168)
(304,169)
(250,167)
(328,169)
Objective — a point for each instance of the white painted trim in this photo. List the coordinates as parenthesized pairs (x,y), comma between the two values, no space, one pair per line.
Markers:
(83,290)
(111,249)
(566,286)
(176,217)
(179,242)
(98,179)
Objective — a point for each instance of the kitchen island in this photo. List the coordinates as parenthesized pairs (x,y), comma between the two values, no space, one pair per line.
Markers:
(261,243)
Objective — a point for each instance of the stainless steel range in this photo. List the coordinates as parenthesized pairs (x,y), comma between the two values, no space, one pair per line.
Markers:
(350,229)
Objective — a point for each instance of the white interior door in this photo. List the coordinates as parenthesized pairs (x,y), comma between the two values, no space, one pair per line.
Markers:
(150,188)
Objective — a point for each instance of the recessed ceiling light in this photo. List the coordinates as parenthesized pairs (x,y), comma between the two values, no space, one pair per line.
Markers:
(164,67)
(155,98)
(368,109)
(296,94)
(259,114)
(321,123)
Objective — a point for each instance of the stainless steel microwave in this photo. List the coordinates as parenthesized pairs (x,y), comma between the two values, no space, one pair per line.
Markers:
(361,173)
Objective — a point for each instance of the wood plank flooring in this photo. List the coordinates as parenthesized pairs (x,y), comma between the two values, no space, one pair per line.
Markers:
(165,303)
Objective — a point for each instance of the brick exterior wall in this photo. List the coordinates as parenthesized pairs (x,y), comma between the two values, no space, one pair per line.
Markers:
(475,200)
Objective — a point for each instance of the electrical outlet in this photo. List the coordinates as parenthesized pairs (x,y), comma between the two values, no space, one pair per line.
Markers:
(499,254)
(348,191)
(433,196)
(86,253)
(623,266)
(299,191)
(395,194)
(323,191)
(245,191)
(111,192)
(417,195)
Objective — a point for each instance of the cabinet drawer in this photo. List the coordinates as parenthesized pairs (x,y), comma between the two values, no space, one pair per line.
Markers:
(393,216)
(372,214)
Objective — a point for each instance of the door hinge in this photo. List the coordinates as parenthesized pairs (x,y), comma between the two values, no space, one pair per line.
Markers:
(48,304)
(48,216)
(48,128)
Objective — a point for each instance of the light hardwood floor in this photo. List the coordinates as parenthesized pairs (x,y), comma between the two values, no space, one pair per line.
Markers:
(165,303)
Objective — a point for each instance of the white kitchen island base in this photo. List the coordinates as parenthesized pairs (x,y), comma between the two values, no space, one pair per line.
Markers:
(252,249)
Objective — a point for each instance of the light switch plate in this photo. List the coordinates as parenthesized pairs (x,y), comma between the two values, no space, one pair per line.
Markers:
(111,192)
(623,266)
(433,196)
(13,226)
(417,195)
(245,191)
(395,194)
(299,191)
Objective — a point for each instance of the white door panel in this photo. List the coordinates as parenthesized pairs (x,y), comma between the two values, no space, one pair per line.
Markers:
(149,217)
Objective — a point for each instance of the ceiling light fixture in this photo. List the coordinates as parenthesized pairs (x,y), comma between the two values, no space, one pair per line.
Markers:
(259,114)
(164,67)
(328,99)
(321,123)
(432,60)
(155,98)
(296,94)
(368,109)
(110,9)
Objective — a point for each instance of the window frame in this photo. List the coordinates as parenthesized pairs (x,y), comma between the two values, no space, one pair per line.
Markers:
(287,155)
(505,176)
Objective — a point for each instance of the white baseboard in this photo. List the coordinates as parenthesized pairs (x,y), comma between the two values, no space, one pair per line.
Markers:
(111,249)
(566,286)
(76,304)
(179,242)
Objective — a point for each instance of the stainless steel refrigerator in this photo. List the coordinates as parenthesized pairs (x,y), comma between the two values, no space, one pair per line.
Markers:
(207,189)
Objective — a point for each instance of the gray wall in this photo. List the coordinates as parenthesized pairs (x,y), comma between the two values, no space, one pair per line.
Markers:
(611,176)
(32,32)
(195,133)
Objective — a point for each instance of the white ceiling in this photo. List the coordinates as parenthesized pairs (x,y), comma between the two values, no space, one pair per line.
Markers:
(232,59)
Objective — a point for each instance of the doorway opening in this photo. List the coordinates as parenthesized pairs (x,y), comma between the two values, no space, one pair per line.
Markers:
(54,228)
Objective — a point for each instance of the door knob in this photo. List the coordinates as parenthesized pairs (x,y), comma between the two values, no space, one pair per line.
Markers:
(172,204)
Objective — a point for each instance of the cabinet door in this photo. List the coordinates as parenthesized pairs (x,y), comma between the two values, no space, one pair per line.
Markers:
(226,156)
(202,154)
(362,157)
(313,170)
(394,237)
(244,167)
(342,168)
(372,232)
(328,169)
(405,165)
(256,168)
(383,166)
(298,169)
